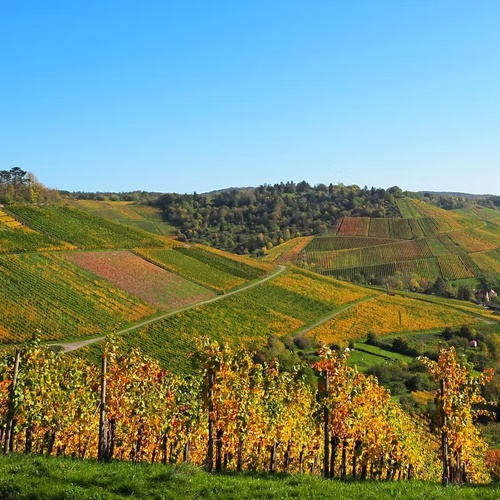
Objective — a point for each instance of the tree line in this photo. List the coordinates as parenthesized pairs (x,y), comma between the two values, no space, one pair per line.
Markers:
(19,186)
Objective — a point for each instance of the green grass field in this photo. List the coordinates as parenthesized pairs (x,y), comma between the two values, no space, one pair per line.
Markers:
(41,478)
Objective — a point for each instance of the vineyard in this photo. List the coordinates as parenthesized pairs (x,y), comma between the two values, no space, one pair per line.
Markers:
(233,414)
(164,290)
(445,220)
(452,306)
(79,276)
(46,292)
(285,306)
(332,243)
(282,306)
(77,294)
(143,217)
(83,230)
(15,237)
(288,252)
(388,314)
(487,260)
(428,242)
(68,294)
(203,266)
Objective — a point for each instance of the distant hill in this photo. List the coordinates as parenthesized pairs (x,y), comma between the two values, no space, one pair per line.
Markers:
(410,251)
(469,196)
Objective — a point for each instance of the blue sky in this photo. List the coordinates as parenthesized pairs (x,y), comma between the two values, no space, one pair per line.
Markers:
(184,96)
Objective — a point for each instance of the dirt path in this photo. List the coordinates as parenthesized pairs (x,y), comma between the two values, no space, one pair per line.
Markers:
(72,346)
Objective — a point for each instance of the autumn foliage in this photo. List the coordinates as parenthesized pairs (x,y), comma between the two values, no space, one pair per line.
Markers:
(231,414)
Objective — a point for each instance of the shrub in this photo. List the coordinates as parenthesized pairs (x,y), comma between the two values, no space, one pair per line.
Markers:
(372,339)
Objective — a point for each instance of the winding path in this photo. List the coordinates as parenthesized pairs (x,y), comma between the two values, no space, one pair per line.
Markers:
(72,346)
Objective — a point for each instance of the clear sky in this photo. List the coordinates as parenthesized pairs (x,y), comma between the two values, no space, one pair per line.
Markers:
(184,96)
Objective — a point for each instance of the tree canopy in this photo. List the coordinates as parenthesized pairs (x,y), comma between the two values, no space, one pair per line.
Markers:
(251,220)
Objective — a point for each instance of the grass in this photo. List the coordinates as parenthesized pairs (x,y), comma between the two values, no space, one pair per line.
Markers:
(363,360)
(35,477)
(383,353)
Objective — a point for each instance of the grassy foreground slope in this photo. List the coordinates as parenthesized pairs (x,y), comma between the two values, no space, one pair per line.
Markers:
(35,477)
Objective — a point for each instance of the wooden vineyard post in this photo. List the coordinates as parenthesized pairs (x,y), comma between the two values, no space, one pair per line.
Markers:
(9,430)
(335,441)
(444,436)
(357,449)
(218,455)
(185,456)
(326,421)
(210,450)
(101,454)
(272,461)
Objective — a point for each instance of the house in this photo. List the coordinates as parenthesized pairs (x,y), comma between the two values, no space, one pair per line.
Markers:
(473,343)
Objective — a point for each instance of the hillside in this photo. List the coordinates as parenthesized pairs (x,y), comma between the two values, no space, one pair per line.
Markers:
(137,215)
(78,276)
(427,243)
(69,274)
(83,277)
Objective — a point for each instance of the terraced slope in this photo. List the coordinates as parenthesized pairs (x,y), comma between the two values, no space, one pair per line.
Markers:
(429,242)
